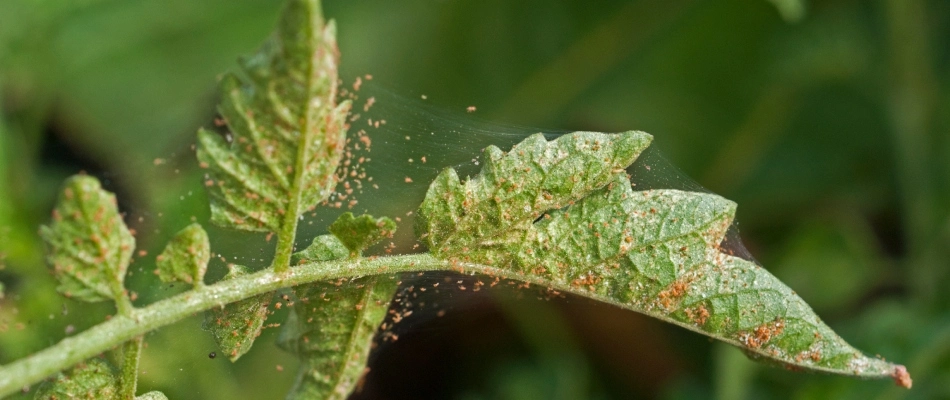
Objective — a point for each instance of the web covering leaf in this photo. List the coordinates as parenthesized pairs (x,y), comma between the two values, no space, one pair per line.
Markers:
(286,129)
(656,252)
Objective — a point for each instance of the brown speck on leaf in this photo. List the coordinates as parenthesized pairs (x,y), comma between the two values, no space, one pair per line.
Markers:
(470,109)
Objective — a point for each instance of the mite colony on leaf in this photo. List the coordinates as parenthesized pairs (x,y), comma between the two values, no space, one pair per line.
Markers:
(557,217)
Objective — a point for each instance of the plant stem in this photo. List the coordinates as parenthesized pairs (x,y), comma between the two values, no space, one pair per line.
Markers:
(122,328)
(131,353)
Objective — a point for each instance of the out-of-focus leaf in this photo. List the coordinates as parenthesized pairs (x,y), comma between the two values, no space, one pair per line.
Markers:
(831,263)
(791,10)
(186,256)
(93,379)
(358,233)
(655,252)
(286,130)
(235,326)
(153,395)
(89,246)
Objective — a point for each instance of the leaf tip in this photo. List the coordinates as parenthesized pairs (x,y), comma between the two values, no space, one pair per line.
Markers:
(902,377)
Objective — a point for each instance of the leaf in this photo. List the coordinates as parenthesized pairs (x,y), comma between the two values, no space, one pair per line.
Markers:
(332,325)
(514,189)
(89,247)
(323,248)
(185,257)
(331,330)
(92,379)
(656,252)
(153,395)
(358,233)
(286,130)
(235,326)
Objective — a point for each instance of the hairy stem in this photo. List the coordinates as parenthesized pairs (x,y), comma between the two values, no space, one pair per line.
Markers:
(131,353)
(122,328)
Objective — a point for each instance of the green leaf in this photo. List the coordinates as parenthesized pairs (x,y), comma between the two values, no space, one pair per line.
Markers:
(516,188)
(358,233)
(286,130)
(235,326)
(331,329)
(656,252)
(89,247)
(185,257)
(92,379)
(323,248)
(332,325)
(153,395)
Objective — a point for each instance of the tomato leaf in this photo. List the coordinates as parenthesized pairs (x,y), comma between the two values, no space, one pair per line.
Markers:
(656,252)
(235,326)
(92,379)
(185,257)
(89,246)
(286,131)
(358,233)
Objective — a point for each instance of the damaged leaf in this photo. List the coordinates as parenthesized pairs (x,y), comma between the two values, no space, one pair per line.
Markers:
(332,325)
(323,248)
(286,131)
(235,326)
(92,379)
(186,256)
(358,233)
(331,330)
(89,246)
(656,252)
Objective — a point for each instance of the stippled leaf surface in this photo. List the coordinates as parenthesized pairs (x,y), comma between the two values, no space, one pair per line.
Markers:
(323,248)
(332,326)
(515,188)
(89,246)
(235,326)
(185,257)
(358,233)
(286,131)
(656,252)
(92,379)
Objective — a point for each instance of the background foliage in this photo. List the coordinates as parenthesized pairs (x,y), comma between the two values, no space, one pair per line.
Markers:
(830,132)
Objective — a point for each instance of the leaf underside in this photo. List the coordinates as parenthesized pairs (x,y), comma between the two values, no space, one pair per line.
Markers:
(332,330)
(92,379)
(89,246)
(286,131)
(332,326)
(235,326)
(186,256)
(358,233)
(656,252)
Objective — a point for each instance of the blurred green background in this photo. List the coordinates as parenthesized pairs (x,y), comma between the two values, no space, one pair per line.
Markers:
(827,121)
